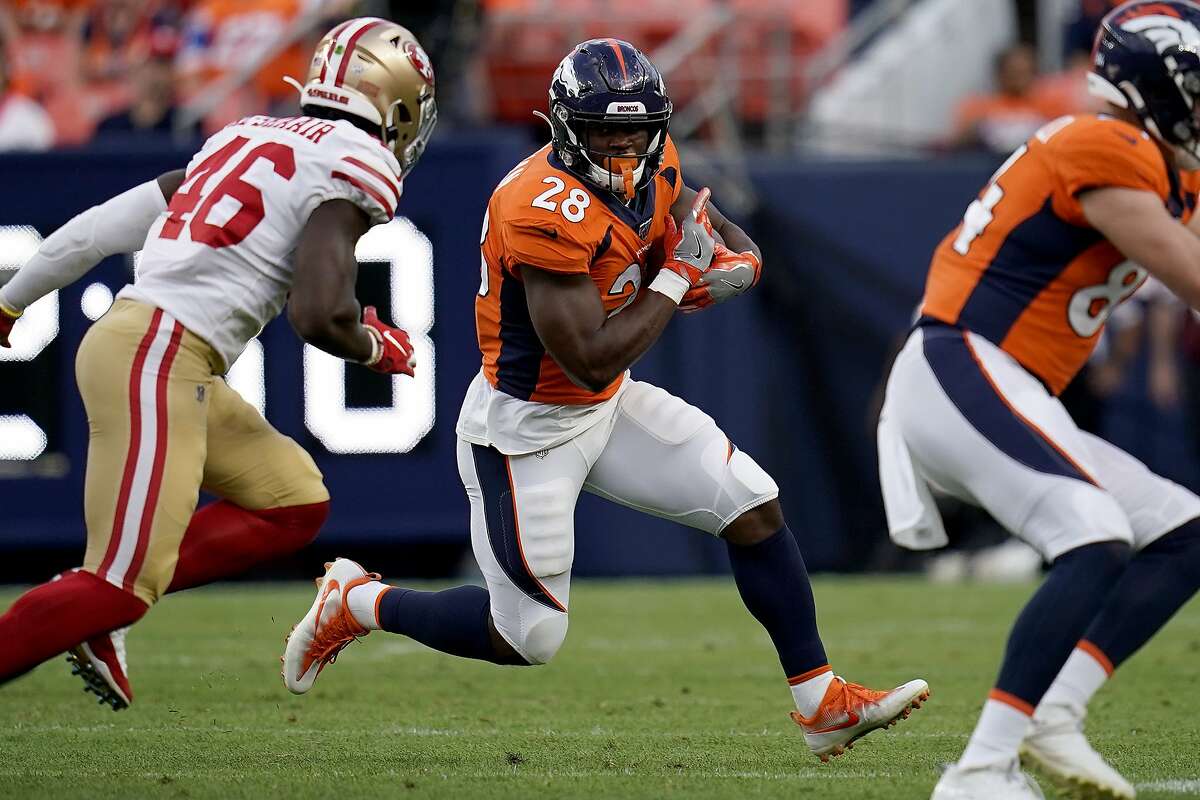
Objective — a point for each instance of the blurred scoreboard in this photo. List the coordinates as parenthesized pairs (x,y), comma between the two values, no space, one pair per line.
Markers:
(393,414)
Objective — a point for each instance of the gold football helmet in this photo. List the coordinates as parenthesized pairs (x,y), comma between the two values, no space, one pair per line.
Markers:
(376,70)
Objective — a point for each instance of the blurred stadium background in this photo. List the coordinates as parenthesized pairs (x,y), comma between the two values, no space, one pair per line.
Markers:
(846,135)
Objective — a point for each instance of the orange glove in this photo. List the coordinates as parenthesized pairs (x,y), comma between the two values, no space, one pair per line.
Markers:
(731,274)
(689,247)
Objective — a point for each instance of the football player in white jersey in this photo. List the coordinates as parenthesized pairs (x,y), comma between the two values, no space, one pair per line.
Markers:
(268,211)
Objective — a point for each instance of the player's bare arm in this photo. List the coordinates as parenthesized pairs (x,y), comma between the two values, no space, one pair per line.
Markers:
(1140,227)
(170,182)
(322,308)
(569,319)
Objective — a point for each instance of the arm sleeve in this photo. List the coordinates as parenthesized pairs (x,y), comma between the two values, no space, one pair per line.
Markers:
(364,175)
(117,226)
(1104,155)
(547,245)
(1101,155)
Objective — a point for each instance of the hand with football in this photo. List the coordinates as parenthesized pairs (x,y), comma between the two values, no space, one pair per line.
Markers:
(393,352)
(689,248)
(729,275)
(7,320)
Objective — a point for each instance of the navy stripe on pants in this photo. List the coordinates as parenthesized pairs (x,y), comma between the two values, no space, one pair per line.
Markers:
(963,380)
(500,513)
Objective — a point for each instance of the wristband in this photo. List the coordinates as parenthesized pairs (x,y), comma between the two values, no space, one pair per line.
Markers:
(671,284)
(376,347)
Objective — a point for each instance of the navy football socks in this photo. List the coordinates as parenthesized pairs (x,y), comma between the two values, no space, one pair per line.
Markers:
(1055,618)
(774,585)
(1157,583)
(454,621)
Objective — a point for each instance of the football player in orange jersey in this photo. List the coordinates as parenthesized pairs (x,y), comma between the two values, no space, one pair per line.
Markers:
(269,210)
(1016,298)
(565,307)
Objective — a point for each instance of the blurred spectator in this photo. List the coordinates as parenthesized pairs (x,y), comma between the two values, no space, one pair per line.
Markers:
(1001,121)
(221,37)
(24,125)
(153,110)
(42,38)
(1068,89)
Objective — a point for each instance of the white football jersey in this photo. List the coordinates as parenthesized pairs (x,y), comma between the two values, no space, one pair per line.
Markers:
(220,259)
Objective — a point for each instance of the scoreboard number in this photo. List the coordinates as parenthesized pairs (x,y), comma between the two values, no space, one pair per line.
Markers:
(398,247)
(21,439)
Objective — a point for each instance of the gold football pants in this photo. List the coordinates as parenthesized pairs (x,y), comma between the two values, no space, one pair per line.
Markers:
(162,424)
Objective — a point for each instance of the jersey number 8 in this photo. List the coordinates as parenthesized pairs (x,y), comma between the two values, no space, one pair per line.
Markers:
(572,208)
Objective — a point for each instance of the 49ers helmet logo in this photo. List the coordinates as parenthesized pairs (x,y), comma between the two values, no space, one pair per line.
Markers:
(419,60)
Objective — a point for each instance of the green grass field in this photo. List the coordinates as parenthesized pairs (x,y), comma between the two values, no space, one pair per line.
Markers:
(662,689)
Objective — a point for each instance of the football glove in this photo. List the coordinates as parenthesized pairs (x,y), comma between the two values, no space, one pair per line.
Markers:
(8,318)
(689,248)
(731,274)
(393,352)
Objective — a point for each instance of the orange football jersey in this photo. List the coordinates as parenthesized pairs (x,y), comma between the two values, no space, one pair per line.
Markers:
(541,216)
(1024,269)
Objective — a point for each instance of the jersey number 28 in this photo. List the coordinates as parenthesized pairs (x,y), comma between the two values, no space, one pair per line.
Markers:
(193,192)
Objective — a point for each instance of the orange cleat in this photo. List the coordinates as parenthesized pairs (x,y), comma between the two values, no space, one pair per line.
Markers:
(849,712)
(327,628)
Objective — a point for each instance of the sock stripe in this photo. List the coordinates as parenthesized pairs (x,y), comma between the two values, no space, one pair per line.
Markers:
(378,600)
(1098,654)
(1001,696)
(808,676)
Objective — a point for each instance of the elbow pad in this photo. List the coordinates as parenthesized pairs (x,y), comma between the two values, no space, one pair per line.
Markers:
(119,225)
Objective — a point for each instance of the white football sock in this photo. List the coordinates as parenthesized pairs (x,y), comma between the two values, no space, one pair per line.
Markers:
(1080,678)
(362,600)
(809,693)
(997,736)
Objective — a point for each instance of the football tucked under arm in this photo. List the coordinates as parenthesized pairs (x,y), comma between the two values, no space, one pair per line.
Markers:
(119,225)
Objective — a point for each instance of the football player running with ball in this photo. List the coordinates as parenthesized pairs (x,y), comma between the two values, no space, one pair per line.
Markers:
(268,211)
(1016,299)
(564,309)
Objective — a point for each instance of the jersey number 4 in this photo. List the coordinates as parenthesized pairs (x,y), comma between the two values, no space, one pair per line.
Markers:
(194,192)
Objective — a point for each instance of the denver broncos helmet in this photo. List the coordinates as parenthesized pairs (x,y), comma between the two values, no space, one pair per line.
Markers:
(376,70)
(1147,59)
(608,82)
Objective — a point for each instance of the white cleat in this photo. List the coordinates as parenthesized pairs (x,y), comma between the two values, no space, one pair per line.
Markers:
(849,712)
(1057,748)
(327,627)
(100,662)
(1001,782)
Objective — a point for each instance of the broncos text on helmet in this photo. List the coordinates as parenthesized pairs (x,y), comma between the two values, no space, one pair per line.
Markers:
(1147,59)
(608,82)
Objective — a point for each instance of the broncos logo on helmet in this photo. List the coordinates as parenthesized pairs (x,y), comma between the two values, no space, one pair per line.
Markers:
(608,82)
(1147,59)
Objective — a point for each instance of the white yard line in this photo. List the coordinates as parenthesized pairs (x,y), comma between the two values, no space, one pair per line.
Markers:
(1173,786)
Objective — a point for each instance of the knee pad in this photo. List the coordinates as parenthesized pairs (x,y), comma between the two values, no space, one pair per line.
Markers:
(542,638)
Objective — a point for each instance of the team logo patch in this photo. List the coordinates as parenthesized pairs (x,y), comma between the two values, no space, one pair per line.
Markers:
(420,61)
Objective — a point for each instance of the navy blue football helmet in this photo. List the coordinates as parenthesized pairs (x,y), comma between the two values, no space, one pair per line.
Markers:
(604,83)
(1147,59)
